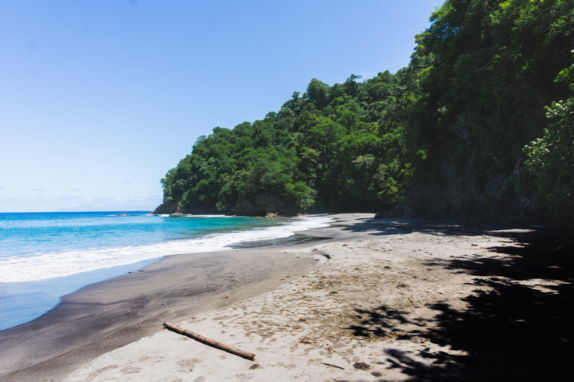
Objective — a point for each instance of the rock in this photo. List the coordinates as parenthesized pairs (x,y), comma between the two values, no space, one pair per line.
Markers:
(172,207)
(376,374)
(379,215)
(167,207)
(361,366)
(255,366)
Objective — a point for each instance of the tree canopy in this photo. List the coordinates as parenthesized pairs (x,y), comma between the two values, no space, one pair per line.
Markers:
(337,147)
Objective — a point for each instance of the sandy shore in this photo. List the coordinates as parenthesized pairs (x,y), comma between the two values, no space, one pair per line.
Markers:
(383,300)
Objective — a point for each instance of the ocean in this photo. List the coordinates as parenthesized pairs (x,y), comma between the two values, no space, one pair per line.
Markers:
(44,256)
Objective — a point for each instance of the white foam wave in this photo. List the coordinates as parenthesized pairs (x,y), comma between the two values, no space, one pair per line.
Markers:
(206,216)
(42,266)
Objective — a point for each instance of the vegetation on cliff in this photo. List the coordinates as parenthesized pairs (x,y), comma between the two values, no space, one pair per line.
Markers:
(339,147)
(494,69)
(445,135)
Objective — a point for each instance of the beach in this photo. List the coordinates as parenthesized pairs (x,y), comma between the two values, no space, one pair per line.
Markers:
(380,300)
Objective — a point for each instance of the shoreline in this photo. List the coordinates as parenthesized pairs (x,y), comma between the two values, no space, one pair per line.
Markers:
(109,314)
(29,293)
(389,299)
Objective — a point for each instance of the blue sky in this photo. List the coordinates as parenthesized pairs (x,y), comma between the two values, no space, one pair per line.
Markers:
(98,99)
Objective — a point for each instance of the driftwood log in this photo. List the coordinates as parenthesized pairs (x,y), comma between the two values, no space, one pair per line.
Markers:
(208,341)
(330,364)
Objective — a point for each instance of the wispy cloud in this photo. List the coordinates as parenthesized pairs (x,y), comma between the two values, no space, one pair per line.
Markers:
(127,182)
(53,203)
(75,190)
(37,189)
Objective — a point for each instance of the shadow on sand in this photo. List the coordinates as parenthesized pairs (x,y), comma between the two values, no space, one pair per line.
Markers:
(510,331)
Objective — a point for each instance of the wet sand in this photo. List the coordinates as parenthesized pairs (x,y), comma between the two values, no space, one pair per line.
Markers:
(383,300)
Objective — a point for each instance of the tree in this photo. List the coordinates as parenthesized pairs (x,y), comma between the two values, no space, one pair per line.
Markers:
(551,160)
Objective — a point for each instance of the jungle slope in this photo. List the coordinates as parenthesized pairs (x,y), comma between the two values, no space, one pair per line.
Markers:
(444,136)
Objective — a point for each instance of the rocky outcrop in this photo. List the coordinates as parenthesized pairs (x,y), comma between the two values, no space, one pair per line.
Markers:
(172,207)
(167,207)
(264,205)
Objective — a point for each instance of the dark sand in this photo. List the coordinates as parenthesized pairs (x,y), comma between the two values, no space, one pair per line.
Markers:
(107,315)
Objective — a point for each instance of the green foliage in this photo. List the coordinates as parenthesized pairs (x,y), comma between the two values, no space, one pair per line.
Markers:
(492,72)
(337,147)
(300,194)
(551,159)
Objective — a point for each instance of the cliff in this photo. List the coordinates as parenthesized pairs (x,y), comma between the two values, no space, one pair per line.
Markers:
(172,207)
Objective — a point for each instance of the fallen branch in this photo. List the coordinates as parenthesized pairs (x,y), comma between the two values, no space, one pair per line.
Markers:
(208,341)
(328,364)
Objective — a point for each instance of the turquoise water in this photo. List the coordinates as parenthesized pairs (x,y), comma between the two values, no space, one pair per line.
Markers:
(44,256)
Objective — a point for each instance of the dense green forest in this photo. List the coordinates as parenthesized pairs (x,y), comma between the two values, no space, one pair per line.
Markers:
(481,123)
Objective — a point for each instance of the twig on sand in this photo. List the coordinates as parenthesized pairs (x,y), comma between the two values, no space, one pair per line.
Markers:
(328,364)
(208,341)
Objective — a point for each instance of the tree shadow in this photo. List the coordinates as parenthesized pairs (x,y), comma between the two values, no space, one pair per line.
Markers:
(440,227)
(381,321)
(518,324)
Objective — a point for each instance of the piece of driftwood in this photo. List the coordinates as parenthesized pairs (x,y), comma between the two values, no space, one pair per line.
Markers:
(329,364)
(208,341)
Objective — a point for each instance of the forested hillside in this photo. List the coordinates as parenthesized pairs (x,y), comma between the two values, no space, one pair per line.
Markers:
(334,148)
(444,136)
